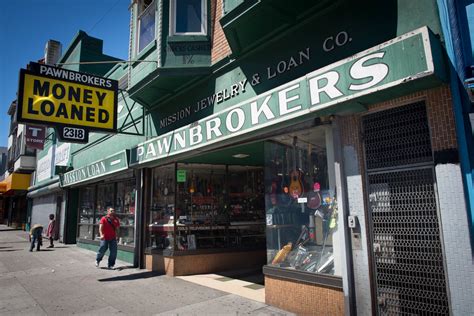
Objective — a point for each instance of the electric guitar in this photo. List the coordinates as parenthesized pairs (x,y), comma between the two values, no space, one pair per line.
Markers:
(314,198)
(296,186)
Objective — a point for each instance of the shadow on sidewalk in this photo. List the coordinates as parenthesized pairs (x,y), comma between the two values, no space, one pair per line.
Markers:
(131,277)
(9,250)
(10,229)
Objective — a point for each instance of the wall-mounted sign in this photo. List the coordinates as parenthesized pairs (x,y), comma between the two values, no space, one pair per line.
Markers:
(43,167)
(73,134)
(61,157)
(181,175)
(111,164)
(59,97)
(34,136)
(364,76)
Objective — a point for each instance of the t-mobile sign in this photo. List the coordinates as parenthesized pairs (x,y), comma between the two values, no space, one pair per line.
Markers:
(34,136)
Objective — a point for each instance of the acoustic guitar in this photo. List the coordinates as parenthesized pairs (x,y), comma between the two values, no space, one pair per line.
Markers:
(296,185)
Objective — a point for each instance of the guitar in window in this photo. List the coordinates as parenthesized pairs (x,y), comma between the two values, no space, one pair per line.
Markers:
(296,185)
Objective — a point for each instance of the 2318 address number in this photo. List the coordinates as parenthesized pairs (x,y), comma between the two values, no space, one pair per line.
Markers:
(73,133)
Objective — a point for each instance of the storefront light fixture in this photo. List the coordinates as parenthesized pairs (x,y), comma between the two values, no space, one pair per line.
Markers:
(240,156)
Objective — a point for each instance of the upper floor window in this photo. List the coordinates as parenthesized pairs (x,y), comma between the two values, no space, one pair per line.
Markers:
(146,23)
(188,17)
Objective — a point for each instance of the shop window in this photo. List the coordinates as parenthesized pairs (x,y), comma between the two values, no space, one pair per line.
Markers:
(146,23)
(300,201)
(125,210)
(160,217)
(93,203)
(86,213)
(188,17)
(105,199)
(217,207)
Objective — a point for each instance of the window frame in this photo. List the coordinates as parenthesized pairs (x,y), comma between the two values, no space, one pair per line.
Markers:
(173,20)
(141,12)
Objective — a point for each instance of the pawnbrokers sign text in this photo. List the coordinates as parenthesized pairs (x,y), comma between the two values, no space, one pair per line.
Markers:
(54,96)
(404,59)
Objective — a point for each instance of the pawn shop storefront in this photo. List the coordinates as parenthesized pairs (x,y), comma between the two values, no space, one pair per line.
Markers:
(261,183)
(93,188)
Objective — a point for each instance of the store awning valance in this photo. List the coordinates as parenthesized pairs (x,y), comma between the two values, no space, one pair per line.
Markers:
(3,187)
(15,181)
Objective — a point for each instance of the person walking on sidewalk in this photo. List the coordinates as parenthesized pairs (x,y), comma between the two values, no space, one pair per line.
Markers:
(36,235)
(108,229)
(51,230)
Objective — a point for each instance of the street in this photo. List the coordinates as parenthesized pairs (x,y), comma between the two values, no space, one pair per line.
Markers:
(64,280)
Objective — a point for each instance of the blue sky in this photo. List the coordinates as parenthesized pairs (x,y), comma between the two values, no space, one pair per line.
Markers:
(26,26)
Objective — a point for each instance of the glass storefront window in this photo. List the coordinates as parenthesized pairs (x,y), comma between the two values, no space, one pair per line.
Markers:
(86,213)
(300,202)
(125,211)
(160,218)
(93,203)
(217,206)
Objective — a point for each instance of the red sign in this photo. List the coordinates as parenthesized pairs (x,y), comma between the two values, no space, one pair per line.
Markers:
(34,136)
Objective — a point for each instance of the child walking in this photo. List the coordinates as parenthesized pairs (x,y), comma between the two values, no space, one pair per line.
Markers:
(51,230)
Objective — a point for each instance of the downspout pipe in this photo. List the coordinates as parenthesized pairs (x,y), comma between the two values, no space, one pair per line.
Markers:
(449,24)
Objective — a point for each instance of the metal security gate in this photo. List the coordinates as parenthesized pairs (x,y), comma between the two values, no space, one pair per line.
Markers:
(403,216)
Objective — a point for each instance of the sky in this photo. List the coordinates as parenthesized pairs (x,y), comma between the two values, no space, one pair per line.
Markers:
(26,26)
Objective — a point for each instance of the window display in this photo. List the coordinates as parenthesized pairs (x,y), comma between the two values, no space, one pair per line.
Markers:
(300,202)
(161,214)
(217,206)
(93,203)
(125,211)
(86,213)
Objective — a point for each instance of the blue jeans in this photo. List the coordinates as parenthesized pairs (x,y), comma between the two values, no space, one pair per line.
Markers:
(103,246)
(37,236)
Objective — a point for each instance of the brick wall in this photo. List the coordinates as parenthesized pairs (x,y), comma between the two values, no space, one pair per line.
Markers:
(205,263)
(302,298)
(220,47)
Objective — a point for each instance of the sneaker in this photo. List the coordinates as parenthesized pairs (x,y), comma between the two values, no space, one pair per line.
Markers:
(111,267)
(97,264)
(52,246)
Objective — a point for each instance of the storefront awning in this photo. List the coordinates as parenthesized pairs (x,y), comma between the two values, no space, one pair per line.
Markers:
(15,181)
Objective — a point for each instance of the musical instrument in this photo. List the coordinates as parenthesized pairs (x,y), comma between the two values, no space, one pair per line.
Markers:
(296,186)
(314,198)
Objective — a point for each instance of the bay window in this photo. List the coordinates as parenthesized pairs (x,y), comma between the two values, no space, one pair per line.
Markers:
(188,17)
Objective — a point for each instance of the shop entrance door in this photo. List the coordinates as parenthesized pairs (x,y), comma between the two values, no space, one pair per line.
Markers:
(403,220)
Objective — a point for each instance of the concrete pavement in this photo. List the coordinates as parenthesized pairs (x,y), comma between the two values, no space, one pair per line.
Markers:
(65,281)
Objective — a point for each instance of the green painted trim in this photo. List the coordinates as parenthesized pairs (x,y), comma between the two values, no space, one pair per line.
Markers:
(100,168)
(123,255)
(43,184)
(145,52)
(364,76)
(188,38)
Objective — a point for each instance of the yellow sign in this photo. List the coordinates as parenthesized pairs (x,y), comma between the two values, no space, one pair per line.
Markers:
(88,101)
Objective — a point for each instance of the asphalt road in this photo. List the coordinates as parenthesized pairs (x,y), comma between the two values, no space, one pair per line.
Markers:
(64,281)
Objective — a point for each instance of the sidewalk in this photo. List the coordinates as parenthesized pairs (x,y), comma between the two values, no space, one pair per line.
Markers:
(64,280)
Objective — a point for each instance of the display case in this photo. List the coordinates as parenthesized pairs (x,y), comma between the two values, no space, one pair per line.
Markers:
(217,207)
(301,206)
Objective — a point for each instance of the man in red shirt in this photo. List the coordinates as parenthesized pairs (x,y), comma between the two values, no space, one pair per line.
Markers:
(108,229)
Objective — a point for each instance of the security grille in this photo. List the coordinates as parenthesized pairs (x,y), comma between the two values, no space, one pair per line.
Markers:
(403,216)
(398,136)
